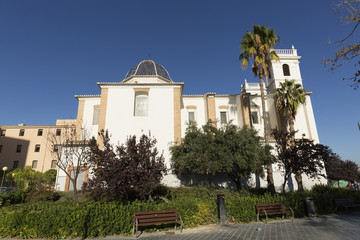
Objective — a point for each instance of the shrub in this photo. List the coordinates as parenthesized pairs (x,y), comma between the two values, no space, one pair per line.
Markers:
(66,219)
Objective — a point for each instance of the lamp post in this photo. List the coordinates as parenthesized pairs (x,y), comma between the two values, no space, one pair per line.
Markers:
(4,170)
(12,178)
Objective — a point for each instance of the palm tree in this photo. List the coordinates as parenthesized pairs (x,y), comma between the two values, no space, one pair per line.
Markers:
(257,47)
(289,96)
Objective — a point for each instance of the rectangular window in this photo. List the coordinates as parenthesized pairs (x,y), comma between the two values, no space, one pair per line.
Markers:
(34,164)
(141,104)
(18,148)
(255,117)
(15,164)
(0,148)
(53,164)
(2,132)
(40,132)
(58,132)
(22,132)
(191,116)
(96,116)
(37,148)
(223,117)
(56,148)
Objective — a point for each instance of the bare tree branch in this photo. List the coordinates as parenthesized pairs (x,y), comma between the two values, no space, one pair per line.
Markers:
(71,153)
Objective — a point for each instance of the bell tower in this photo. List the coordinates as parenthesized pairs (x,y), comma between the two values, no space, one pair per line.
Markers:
(287,67)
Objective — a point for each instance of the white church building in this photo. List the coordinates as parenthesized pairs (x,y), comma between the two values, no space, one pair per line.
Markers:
(147,101)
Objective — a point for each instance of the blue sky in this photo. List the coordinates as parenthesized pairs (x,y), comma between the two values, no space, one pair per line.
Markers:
(52,50)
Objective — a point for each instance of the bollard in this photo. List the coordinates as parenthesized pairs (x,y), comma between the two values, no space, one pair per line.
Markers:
(221,209)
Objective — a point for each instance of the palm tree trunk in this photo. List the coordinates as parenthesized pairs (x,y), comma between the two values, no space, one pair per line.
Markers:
(298,176)
(292,128)
(270,178)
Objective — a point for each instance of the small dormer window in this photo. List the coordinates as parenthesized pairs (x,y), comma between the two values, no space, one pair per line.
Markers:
(141,104)
(286,70)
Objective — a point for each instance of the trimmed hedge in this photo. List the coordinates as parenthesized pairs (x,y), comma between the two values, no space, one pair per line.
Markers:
(64,219)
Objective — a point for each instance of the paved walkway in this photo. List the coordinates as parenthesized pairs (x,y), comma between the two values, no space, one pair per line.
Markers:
(331,227)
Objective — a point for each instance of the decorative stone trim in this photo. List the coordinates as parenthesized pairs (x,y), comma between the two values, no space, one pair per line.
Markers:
(223,107)
(191,107)
(142,90)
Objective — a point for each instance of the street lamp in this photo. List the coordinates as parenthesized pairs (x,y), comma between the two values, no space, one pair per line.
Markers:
(4,170)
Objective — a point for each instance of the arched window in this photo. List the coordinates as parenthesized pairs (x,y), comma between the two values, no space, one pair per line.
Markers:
(286,70)
(141,104)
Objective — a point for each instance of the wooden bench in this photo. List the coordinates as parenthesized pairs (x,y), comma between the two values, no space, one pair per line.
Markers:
(156,217)
(345,203)
(272,209)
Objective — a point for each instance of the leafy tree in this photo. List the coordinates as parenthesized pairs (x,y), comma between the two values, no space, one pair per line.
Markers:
(230,150)
(338,169)
(257,47)
(303,156)
(133,169)
(289,96)
(348,50)
(37,185)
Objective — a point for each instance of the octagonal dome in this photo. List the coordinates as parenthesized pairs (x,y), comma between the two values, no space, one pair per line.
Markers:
(148,68)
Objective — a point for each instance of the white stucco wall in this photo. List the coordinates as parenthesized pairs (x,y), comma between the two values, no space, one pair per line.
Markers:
(229,101)
(200,111)
(90,130)
(121,122)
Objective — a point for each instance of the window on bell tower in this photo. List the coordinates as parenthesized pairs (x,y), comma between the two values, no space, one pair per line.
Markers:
(286,70)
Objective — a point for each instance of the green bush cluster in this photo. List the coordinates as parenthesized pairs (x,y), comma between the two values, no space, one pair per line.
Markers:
(11,198)
(196,206)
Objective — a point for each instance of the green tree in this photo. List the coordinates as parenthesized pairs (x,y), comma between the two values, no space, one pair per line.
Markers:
(289,96)
(257,47)
(230,150)
(37,185)
(303,156)
(338,169)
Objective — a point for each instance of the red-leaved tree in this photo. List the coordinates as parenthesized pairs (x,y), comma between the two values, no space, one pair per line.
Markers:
(131,170)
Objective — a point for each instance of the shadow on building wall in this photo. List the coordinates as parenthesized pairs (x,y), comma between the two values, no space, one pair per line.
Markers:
(11,155)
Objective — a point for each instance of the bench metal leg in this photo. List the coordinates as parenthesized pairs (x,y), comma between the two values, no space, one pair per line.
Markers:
(293,215)
(181,224)
(266,216)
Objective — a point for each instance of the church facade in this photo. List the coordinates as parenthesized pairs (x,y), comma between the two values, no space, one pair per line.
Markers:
(148,101)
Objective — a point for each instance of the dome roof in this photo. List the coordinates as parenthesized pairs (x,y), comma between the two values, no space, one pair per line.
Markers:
(148,68)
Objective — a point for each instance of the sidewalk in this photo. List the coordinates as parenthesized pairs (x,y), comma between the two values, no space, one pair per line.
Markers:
(331,227)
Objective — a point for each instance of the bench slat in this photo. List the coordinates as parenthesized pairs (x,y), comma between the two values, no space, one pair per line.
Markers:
(154,212)
(156,216)
(162,219)
(157,223)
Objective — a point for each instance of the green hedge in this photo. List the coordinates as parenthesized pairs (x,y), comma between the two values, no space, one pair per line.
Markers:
(197,206)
